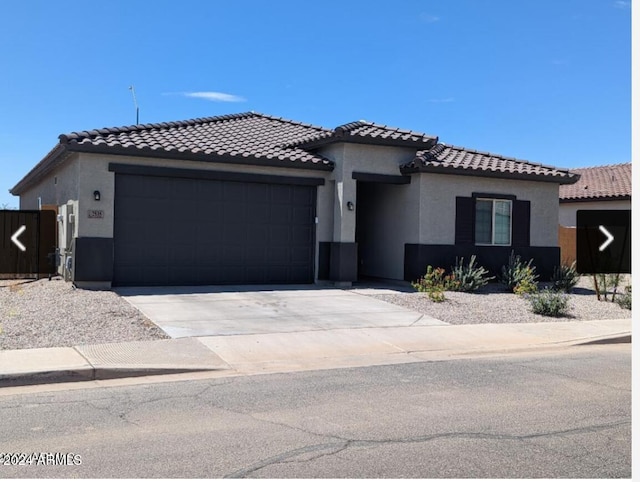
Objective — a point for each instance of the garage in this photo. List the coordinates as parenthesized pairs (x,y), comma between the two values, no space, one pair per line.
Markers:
(182,227)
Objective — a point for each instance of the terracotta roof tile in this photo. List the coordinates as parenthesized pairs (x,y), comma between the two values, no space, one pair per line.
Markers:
(451,159)
(612,181)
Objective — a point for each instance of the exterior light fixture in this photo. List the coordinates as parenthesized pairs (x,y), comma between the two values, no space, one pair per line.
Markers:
(96,195)
(350,206)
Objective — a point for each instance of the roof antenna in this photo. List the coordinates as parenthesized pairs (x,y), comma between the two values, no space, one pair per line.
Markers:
(135,102)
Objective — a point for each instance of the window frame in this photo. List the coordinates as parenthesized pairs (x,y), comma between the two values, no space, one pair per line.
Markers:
(493,201)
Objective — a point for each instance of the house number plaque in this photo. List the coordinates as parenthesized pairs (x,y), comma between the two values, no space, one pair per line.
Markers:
(95,213)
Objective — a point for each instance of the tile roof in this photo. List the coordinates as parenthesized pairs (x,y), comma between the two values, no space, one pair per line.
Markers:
(258,139)
(446,158)
(246,138)
(369,133)
(612,181)
(247,135)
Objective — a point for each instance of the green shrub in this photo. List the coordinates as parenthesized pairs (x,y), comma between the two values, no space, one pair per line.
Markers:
(436,295)
(517,272)
(624,299)
(469,277)
(565,278)
(435,282)
(526,287)
(549,303)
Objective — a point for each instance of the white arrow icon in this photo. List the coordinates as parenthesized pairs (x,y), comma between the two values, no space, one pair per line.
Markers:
(16,235)
(609,240)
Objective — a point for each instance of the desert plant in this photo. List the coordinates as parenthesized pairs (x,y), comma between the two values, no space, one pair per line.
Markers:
(469,277)
(526,287)
(624,299)
(565,277)
(436,295)
(605,283)
(549,303)
(434,283)
(517,271)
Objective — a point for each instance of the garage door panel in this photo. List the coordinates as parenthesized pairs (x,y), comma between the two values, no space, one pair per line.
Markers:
(300,255)
(200,231)
(279,236)
(300,214)
(302,235)
(302,196)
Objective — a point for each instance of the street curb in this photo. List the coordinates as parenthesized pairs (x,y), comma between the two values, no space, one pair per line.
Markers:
(609,340)
(91,374)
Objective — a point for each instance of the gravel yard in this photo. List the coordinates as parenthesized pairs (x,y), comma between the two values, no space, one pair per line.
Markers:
(53,313)
(45,313)
(491,304)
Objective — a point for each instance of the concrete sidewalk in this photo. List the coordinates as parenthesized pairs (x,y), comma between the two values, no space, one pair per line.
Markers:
(294,351)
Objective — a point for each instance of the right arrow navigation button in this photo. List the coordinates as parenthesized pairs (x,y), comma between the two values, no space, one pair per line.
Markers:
(609,240)
(603,241)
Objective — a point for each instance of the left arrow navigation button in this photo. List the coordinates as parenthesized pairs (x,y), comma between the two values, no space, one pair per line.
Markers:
(15,237)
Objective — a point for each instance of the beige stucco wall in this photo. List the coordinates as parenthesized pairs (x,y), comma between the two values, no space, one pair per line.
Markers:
(438,205)
(568,211)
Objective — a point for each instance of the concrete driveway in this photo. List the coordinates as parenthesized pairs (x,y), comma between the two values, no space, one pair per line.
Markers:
(241,310)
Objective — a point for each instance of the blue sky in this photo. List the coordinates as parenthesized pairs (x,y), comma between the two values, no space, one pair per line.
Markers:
(544,80)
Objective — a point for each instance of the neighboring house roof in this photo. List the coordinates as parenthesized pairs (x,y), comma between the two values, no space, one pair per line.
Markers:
(444,158)
(599,183)
(258,139)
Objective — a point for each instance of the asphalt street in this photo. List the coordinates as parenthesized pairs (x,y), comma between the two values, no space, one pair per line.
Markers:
(561,414)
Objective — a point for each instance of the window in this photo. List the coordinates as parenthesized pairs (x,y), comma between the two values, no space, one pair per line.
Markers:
(493,221)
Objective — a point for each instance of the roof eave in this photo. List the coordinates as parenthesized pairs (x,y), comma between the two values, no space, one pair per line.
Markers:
(202,157)
(376,141)
(485,173)
(53,159)
(623,197)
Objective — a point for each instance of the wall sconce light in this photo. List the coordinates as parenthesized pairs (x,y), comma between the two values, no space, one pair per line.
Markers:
(350,206)
(96,195)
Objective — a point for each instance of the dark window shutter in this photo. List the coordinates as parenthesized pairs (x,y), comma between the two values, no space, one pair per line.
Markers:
(521,224)
(464,220)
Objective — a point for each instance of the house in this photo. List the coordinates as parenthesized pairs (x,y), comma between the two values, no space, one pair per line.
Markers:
(599,188)
(251,198)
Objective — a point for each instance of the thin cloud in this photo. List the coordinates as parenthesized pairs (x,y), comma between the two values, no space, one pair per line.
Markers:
(215,96)
(210,96)
(624,4)
(428,18)
(443,100)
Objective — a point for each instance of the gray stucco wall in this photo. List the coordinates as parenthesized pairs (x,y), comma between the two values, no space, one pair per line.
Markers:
(568,211)
(351,158)
(60,186)
(438,205)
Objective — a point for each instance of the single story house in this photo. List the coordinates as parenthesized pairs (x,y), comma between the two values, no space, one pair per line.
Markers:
(251,198)
(600,187)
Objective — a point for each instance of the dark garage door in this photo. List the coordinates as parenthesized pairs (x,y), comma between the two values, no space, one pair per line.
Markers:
(181,231)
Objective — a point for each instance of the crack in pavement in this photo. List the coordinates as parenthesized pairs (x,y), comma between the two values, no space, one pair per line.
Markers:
(336,448)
